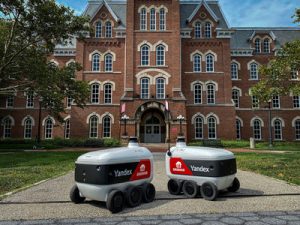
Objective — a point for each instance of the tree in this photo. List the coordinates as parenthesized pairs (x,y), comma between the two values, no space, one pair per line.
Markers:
(29,32)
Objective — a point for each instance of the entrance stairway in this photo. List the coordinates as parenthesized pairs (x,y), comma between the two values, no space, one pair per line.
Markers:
(157,147)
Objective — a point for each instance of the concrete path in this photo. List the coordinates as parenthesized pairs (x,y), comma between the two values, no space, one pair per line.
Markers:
(51,199)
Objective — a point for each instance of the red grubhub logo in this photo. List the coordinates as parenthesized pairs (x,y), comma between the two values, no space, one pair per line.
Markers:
(142,171)
(177,166)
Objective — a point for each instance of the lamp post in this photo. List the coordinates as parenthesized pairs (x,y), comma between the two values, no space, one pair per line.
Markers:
(270,124)
(180,118)
(125,118)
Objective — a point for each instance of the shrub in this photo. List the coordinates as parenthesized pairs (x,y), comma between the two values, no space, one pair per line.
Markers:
(111,142)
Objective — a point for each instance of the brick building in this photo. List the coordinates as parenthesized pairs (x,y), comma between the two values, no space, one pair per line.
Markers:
(146,54)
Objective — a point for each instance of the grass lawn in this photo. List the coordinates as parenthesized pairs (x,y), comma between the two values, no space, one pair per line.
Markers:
(20,169)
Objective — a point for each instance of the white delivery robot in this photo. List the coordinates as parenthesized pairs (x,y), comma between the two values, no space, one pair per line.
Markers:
(194,168)
(115,176)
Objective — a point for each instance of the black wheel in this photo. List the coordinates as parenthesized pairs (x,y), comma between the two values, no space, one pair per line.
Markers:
(209,191)
(174,187)
(190,189)
(75,195)
(134,196)
(234,186)
(148,192)
(115,201)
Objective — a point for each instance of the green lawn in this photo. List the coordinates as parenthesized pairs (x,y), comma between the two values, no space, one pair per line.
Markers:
(20,169)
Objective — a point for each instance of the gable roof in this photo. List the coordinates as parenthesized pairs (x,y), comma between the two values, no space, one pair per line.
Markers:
(203,3)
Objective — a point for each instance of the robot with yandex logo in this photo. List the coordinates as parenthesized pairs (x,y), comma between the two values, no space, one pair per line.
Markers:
(199,169)
(115,176)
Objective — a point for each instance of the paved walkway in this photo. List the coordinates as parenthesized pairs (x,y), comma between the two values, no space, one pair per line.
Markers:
(258,218)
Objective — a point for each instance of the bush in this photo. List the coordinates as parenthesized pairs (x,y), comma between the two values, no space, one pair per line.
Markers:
(110,142)
(93,143)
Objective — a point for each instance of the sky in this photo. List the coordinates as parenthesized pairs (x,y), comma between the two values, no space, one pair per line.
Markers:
(239,13)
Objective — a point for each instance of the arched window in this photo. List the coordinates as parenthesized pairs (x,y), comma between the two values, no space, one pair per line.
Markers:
(108,29)
(160,88)
(266,45)
(236,97)
(257,129)
(107,93)
(95,93)
(277,130)
(212,128)
(49,129)
(28,128)
(143,19)
(96,62)
(7,127)
(108,63)
(198,93)
(210,63)
(145,55)
(197,63)
(234,71)
(152,19)
(253,71)
(198,127)
(160,55)
(197,30)
(238,125)
(211,95)
(162,19)
(257,45)
(207,30)
(106,127)
(93,127)
(98,29)
(67,129)
(145,88)
(297,129)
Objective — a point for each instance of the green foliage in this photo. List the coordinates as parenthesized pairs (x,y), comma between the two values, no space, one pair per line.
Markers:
(111,142)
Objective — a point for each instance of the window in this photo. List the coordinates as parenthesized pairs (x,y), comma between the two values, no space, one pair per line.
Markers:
(106,126)
(212,129)
(234,71)
(197,93)
(210,63)
(257,129)
(28,128)
(108,29)
(7,126)
(162,19)
(236,97)
(197,30)
(276,102)
(266,45)
(10,101)
(160,55)
(107,93)
(198,127)
(294,73)
(98,29)
(145,88)
(253,71)
(152,19)
(197,63)
(210,94)
(29,100)
(95,93)
(143,19)
(108,63)
(257,45)
(277,130)
(255,102)
(296,101)
(160,88)
(96,62)
(69,102)
(207,30)
(48,128)
(297,129)
(93,127)
(67,129)
(145,55)
(238,125)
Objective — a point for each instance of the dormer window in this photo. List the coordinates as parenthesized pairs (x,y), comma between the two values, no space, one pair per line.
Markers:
(207,30)
(98,29)
(108,29)
(257,46)
(197,30)
(266,45)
